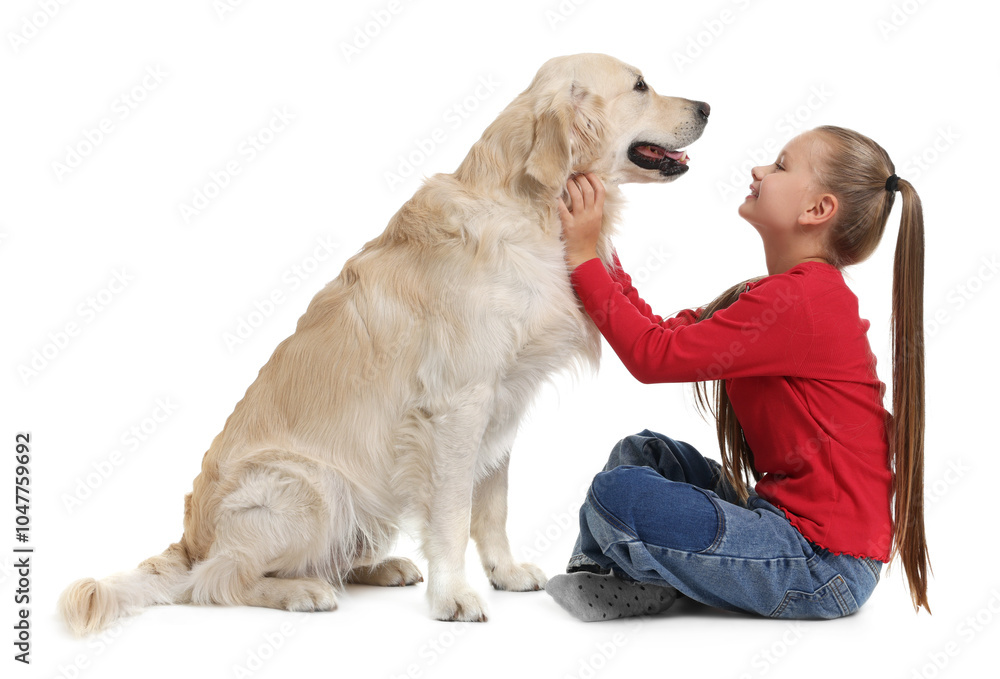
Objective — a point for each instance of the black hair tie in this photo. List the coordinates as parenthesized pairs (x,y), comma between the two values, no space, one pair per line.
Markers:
(892,183)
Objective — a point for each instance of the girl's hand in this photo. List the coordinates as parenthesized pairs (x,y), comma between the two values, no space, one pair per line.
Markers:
(582,226)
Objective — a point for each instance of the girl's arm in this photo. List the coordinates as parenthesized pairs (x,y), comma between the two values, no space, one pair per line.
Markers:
(685,317)
(763,333)
(581,229)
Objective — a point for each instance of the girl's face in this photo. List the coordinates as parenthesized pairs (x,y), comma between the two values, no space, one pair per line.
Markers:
(785,190)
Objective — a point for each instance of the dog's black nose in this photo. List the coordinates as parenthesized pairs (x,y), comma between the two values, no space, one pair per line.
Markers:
(703,108)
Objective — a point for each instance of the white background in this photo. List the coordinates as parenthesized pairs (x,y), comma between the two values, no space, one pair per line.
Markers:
(920,78)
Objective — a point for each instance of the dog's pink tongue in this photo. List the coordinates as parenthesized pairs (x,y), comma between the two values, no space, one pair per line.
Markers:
(658,153)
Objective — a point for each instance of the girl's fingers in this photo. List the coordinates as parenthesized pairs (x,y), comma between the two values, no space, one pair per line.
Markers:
(587,189)
(586,192)
(564,213)
(598,188)
(573,189)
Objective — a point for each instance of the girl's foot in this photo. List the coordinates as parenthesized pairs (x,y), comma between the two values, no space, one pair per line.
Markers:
(591,597)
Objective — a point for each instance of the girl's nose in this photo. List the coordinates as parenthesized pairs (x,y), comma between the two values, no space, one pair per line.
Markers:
(755,173)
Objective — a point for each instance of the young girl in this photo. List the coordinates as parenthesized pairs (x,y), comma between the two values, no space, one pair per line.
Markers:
(798,405)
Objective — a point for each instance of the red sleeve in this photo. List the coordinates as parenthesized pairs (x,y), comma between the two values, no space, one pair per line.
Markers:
(729,344)
(618,274)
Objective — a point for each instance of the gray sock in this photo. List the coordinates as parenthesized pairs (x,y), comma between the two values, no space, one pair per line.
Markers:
(591,597)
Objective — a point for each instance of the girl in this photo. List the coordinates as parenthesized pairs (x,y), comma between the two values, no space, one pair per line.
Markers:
(798,405)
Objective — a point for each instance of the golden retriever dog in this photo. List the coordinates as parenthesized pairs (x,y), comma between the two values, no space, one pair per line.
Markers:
(398,396)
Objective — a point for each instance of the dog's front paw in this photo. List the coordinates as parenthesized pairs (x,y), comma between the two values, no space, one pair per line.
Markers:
(525,577)
(461,605)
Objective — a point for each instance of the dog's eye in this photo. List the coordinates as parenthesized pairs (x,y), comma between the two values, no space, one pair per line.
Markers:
(640,84)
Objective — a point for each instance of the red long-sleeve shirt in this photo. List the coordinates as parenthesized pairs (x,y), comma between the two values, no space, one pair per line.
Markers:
(800,374)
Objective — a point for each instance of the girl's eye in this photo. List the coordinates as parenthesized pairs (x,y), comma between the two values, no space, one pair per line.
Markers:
(778,166)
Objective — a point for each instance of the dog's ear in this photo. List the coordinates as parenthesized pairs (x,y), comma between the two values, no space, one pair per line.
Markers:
(568,125)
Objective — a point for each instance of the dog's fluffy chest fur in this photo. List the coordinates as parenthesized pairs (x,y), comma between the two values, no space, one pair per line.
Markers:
(520,322)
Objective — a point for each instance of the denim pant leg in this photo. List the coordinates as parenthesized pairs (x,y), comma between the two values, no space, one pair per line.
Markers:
(671,459)
(750,559)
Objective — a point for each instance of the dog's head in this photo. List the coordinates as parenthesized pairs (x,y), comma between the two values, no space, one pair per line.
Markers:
(594,113)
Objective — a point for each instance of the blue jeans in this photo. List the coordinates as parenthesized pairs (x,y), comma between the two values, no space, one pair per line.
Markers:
(661,513)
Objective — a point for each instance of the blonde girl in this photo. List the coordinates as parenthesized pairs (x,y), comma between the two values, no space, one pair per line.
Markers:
(838,486)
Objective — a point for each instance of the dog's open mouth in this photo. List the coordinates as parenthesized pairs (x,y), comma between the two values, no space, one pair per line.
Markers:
(651,156)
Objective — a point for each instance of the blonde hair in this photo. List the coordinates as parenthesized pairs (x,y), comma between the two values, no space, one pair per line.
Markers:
(855,169)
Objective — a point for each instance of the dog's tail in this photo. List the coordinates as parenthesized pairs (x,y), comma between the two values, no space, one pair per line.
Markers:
(90,605)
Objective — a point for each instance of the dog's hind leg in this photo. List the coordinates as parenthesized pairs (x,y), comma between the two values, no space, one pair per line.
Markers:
(371,566)
(278,543)
(396,571)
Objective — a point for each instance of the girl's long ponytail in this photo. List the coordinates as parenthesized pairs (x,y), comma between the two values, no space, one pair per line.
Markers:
(907,430)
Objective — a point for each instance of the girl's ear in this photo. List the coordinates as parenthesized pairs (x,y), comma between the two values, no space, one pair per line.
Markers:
(821,211)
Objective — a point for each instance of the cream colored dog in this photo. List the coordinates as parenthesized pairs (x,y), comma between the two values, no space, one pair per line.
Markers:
(399,394)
